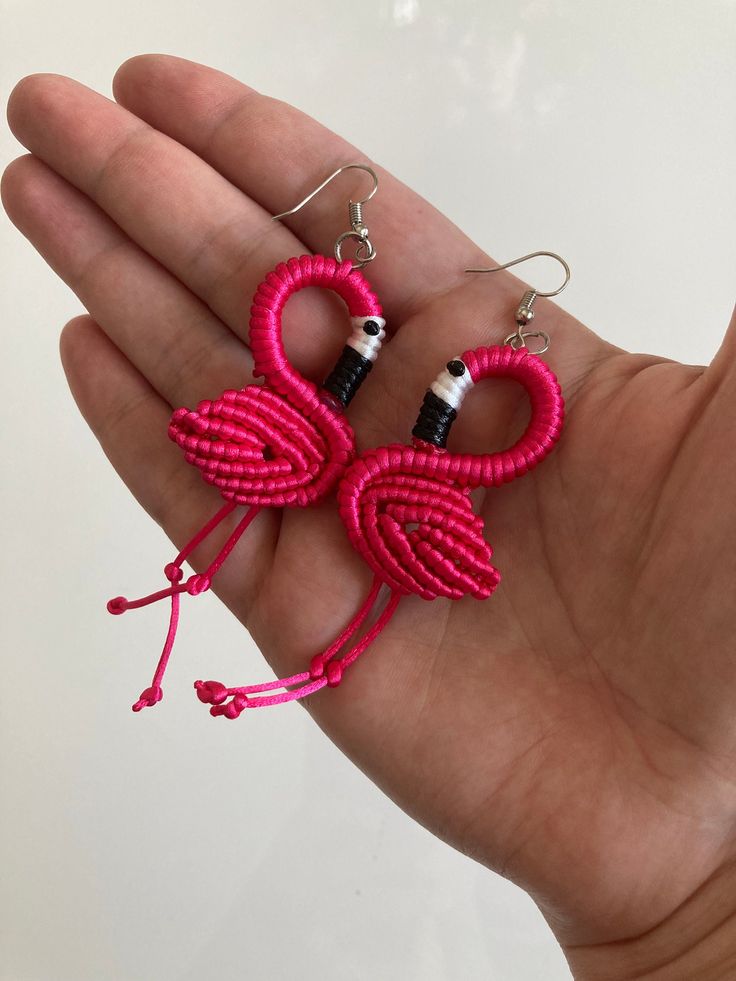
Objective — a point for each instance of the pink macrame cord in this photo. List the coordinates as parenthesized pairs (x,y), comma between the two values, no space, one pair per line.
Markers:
(408,512)
(285,443)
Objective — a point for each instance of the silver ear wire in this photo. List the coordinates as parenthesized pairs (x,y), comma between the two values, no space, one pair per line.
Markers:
(365,251)
(525,311)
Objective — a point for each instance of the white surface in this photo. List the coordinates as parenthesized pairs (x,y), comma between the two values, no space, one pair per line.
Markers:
(165,846)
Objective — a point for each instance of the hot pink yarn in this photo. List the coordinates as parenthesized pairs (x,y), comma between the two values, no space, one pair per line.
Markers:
(281,444)
(407,511)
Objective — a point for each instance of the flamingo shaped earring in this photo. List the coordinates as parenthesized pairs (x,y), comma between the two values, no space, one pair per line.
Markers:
(408,511)
(285,443)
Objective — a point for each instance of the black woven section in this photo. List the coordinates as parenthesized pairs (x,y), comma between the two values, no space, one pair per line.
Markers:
(435,419)
(348,375)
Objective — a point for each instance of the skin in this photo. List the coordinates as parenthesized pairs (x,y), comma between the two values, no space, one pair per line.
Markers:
(575,733)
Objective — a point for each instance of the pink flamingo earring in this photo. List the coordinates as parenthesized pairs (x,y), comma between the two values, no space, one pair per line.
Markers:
(408,511)
(285,443)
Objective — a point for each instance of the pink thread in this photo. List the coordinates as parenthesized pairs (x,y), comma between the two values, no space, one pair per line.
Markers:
(428,490)
(282,444)
(408,512)
(279,444)
(324,668)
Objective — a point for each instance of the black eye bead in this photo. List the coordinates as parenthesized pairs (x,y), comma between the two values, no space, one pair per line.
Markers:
(372,328)
(456,368)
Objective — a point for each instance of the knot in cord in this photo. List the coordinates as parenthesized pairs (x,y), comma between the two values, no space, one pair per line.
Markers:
(274,445)
(319,667)
(149,698)
(198,584)
(211,692)
(233,708)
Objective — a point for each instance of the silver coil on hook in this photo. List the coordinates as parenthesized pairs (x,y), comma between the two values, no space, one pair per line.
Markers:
(365,251)
(525,311)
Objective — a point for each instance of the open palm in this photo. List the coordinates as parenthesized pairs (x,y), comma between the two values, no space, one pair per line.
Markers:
(576,731)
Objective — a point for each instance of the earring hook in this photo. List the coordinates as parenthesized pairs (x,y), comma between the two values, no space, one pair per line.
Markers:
(365,251)
(326,181)
(524,312)
(523,258)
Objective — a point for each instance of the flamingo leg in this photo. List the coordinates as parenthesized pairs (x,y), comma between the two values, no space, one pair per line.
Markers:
(325,669)
(195,585)
(120,604)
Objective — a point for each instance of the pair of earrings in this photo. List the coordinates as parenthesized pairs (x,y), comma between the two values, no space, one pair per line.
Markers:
(286,443)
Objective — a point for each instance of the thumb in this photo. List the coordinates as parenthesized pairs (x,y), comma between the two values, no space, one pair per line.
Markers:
(723,367)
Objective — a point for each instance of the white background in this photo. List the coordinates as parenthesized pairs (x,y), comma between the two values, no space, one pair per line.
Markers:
(166,846)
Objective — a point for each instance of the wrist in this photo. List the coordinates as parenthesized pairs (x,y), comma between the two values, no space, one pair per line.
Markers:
(696,941)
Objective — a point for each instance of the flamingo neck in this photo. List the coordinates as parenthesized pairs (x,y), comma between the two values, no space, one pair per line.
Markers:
(368,330)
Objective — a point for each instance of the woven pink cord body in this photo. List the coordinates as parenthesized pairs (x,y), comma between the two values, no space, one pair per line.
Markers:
(408,512)
(281,444)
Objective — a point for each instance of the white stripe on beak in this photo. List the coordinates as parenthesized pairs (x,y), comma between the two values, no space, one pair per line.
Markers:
(452,388)
(367,344)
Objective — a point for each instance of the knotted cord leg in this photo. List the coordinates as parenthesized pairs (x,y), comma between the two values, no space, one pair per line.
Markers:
(195,585)
(325,668)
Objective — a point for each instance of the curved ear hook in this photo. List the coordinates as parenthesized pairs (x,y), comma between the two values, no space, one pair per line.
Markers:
(523,258)
(365,252)
(525,312)
(326,181)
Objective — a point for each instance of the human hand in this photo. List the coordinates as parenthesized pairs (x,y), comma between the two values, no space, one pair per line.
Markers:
(575,732)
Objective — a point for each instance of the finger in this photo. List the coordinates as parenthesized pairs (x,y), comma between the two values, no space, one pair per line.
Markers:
(168,334)
(722,370)
(277,154)
(273,152)
(174,206)
(130,420)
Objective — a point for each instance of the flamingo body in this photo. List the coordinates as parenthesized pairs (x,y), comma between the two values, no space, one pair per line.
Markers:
(408,511)
(258,449)
(417,531)
(284,443)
